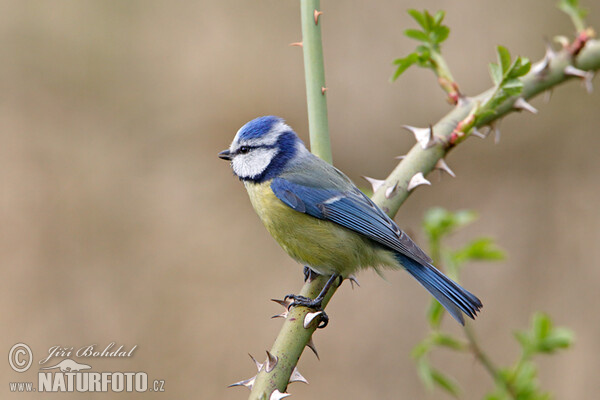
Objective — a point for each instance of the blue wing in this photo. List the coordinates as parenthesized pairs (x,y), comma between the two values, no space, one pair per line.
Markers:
(350,208)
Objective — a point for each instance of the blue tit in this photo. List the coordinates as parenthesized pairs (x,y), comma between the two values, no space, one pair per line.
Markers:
(321,219)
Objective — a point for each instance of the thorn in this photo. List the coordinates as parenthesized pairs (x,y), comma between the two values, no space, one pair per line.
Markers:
(496,128)
(400,157)
(442,166)
(247,383)
(299,44)
(417,180)
(285,304)
(522,104)
(547,95)
(271,362)
(309,317)
(258,365)
(389,191)
(423,135)
(323,90)
(375,183)
(542,67)
(316,15)
(277,395)
(475,132)
(311,345)
(587,76)
(353,280)
(297,376)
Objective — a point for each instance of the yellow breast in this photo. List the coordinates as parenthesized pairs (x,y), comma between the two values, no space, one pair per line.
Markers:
(323,245)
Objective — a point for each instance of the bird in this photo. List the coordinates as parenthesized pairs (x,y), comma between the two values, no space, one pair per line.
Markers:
(322,220)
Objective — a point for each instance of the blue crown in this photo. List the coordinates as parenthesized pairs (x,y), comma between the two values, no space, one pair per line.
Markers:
(258,127)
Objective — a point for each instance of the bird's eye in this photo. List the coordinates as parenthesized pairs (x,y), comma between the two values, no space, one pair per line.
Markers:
(243,149)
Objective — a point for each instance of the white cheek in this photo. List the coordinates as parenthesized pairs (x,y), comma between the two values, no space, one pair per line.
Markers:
(254,163)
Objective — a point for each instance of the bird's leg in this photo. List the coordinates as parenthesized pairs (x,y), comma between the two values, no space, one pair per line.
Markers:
(316,303)
(309,274)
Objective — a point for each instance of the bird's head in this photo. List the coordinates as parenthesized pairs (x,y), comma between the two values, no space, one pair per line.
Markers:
(262,148)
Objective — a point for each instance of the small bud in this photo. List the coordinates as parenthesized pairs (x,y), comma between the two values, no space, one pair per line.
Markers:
(277,395)
(323,90)
(298,44)
(417,180)
(522,104)
(376,184)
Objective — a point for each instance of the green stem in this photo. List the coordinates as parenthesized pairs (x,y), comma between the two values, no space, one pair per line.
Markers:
(314,72)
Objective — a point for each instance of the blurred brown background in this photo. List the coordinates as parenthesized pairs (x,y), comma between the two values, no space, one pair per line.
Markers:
(119,223)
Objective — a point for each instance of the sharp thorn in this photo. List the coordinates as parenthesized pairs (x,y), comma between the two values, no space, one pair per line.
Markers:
(311,345)
(247,383)
(323,90)
(442,166)
(317,14)
(277,395)
(298,44)
(424,136)
(258,365)
(522,104)
(587,76)
(309,317)
(283,315)
(353,280)
(389,191)
(417,180)
(496,133)
(400,157)
(271,362)
(376,184)
(283,303)
(475,132)
(547,95)
(297,376)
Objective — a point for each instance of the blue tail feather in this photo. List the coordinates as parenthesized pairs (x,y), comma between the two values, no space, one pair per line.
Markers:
(450,294)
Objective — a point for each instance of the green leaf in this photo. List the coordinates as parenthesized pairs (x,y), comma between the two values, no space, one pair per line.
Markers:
(421,349)
(559,338)
(404,63)
(445,382)
(439,34)
(496,73)
(439,222)
(439,17)
(419,17)
(417,35)
(542,325)
(479,249)
(425,373)
(435,312)
(445,340)
(503,58)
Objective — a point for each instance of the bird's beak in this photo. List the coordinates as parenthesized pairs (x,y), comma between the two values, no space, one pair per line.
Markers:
(225,155)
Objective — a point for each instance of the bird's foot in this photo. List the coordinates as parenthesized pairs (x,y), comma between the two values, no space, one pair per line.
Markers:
(315,304)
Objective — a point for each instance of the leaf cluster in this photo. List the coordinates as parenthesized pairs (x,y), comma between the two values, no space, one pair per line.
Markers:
(516,382)
(520,381)
(431,35)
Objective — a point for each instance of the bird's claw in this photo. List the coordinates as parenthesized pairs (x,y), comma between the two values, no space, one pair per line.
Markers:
(315,304)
